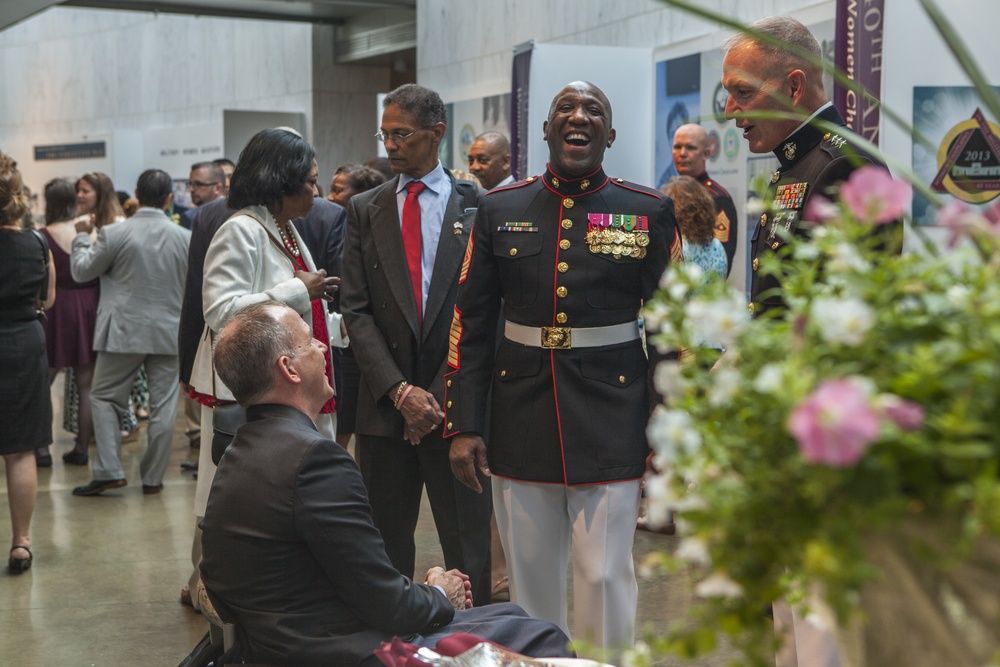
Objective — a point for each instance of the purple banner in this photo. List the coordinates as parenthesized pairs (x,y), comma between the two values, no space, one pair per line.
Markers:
(859,56)
(519,130)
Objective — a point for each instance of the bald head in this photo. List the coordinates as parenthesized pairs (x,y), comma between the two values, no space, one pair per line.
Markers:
(489,159)
(691,150)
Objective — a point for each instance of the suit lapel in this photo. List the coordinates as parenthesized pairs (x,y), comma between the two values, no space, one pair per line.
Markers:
(450,251)
(383,217)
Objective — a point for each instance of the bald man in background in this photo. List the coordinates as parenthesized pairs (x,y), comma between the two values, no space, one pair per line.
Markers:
(690,152)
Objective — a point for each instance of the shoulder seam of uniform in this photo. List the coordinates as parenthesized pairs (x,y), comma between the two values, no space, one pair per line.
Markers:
(635,187)
(510,186)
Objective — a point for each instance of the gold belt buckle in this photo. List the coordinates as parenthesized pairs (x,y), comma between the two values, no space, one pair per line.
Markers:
(557,338)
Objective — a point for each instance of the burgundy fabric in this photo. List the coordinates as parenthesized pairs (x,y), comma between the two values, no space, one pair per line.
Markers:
(413,241)
(321,334)
(69,324)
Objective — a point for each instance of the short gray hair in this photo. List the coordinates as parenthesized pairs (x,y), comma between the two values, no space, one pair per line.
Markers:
(784,30)
(422,102)
(247,349)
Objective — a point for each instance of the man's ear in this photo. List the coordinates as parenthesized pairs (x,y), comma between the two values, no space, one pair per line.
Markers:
(506,162)
(796,86)
(611,137)
(438,130)
(288,369)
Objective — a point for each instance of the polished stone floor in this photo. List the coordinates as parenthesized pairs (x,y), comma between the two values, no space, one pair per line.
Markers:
(103,590)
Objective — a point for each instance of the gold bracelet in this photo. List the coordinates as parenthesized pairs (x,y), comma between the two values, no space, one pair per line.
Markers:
(399,392)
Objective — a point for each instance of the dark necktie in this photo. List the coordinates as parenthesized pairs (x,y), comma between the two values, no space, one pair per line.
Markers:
(413,241)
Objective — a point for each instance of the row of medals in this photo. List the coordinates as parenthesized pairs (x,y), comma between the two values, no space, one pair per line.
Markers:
(617,243)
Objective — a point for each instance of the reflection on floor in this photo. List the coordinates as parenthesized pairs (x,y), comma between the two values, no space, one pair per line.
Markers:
(108,570)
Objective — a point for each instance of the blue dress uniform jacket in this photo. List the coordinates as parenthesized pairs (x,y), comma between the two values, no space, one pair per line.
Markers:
(813,161)
(726,227)
(567,416)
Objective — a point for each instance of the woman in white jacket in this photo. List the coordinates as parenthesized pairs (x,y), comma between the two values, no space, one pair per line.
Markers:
(257,256)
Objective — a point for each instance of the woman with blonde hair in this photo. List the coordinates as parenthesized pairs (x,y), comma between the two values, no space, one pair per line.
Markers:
(27,288)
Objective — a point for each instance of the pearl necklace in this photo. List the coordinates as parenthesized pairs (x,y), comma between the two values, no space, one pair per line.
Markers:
(289,240)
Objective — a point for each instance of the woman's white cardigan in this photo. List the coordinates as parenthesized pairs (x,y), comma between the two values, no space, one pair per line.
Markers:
(243,267)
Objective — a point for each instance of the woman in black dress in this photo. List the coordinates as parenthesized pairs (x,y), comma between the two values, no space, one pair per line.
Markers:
(25,404)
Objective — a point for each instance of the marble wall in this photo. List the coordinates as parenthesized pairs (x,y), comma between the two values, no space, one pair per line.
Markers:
(68,74)
(477,61)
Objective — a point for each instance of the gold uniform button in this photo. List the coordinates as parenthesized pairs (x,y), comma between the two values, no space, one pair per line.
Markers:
(621,378)
(619,180)
(561,318)
(763,219)
(449,426)
(565,244)
(529,179)
(755,263)
(562,292)
(449,404)
(449,383)
(503,373)
(513,251)
(563,267)
(826,137)
(567,203)
(774,246)
(750,306)
(567,224)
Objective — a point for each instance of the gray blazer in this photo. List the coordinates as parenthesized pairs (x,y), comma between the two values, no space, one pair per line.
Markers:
(378,305)
(142,264)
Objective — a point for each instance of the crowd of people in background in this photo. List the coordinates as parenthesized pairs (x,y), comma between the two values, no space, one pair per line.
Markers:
(441,333)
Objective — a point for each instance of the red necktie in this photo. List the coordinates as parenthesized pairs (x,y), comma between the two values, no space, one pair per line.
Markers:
(413,241)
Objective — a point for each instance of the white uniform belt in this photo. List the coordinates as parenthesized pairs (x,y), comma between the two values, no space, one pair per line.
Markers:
(565,338)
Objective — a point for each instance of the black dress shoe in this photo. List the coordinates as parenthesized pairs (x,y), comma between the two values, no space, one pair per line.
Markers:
(189,465)
(150,489)
(98,486)
(43,460)
(76,458)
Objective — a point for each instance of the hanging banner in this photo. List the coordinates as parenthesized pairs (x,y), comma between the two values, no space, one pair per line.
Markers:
(859,26)
(519,130)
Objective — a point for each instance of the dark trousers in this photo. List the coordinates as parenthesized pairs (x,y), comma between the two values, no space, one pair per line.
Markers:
(395,473)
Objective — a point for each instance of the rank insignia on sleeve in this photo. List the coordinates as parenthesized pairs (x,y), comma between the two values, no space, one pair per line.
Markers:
(789,196)
(467,260)
(517,227)
(722,226)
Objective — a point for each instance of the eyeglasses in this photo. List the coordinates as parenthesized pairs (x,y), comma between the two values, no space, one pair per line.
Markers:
(199,184)
(397,137)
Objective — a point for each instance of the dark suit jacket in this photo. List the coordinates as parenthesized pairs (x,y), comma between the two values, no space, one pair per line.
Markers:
(323,233)
(207,220)
(290,552)
(379,309)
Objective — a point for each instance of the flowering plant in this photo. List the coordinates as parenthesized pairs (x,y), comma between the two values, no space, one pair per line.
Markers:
(869,399)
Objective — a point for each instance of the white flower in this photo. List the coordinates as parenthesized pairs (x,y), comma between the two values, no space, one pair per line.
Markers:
(844,258)
(725,385)
(694,273)
(718,585)
(845,320)
(659,499)
(668,378)
(958,295)
(720,320)
(655,315)
(806,251)
(640,655)
(769,380)
(671,432)
(754,207)
(694,551)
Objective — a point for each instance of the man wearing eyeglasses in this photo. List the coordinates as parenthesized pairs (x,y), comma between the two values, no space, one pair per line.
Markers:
(206,184)
(402,256)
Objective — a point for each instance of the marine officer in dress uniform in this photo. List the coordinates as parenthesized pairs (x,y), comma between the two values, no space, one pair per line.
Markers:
(814,148)
(690,152)
(815,153)
(572,253)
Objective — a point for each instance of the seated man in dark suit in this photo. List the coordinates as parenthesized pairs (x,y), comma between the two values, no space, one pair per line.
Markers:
(290,553)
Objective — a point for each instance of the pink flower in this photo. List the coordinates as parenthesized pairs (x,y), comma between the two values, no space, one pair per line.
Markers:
(873,195)
(907,415)
(957,217)
(820,209)
(836,423)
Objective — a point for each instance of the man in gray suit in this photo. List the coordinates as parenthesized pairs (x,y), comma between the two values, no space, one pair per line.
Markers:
(402,257)
(142,264)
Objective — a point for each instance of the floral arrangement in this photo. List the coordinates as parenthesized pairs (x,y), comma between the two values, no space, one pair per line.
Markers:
(871,399)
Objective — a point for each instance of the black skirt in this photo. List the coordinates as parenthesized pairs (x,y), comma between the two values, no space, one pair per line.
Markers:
(25,401)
